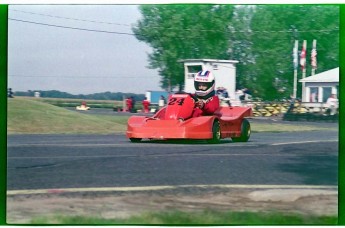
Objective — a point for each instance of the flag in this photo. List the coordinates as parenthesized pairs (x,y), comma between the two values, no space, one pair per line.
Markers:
(303,56)
(313,59)
(313,56)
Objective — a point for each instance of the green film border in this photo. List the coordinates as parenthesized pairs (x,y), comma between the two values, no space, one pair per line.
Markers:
(3,114)
(341,175)
(3,110)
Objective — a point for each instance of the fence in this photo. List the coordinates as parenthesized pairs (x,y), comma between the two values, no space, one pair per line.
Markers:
(267,109)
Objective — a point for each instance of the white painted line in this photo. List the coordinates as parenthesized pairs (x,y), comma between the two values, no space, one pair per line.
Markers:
(156,188)
(302,142)
(147,143)
(215,154)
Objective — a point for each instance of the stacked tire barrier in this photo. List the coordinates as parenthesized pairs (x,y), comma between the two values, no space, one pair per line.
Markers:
(267,109)
(292,112)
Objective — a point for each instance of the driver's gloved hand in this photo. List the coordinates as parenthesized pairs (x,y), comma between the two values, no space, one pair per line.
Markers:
(200,104)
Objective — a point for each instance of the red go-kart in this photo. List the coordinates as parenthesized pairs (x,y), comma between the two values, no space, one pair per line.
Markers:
(175,121)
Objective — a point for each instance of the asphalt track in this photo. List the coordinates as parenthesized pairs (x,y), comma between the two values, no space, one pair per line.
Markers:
(111,161)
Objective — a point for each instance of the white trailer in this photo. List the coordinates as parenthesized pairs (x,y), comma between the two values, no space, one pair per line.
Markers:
(223,70)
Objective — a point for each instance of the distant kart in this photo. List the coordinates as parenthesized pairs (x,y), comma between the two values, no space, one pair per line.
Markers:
(174,121)
(82,108)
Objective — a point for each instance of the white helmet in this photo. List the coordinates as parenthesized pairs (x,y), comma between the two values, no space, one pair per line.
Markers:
(205,77)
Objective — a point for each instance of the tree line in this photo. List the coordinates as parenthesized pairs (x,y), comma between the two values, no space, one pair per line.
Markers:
(260,37)
(96,96)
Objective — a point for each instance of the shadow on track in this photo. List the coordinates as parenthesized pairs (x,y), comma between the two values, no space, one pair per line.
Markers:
(182,141)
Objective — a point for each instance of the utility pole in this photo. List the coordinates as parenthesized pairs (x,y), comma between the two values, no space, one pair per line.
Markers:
(169,84)
(295,65)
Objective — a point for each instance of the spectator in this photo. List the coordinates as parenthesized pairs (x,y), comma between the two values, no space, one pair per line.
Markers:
(332,103)
(128,104)
(223,96)
(240,94)
(133,104)
(146,104)
(247,94)
(9,93)
(161,102)
(313,97)
(292,104)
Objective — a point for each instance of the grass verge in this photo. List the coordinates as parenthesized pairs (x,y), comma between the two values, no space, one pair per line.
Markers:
(61,102)
(207,217)
(29,116)
(288,127)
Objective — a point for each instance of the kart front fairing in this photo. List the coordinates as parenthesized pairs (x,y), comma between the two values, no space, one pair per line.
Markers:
(172,122)
(154,128)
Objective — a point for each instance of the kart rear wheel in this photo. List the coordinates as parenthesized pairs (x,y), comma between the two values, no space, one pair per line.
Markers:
(216,133)
(245,132)
(135,140)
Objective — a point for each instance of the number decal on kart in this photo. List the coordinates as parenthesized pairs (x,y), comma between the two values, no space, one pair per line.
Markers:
(173,101)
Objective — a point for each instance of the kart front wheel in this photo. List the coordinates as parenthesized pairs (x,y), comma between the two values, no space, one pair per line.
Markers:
(135,139)
(245,132)
(215,133)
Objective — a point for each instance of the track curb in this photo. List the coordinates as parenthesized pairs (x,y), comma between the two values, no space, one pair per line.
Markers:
(167,187)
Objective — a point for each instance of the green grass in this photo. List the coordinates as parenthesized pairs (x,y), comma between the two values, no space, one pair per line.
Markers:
(207,217)
(38,116)
(290,127)
(60,102)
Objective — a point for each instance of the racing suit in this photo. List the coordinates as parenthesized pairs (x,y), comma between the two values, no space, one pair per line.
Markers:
(206,106)
(146,105)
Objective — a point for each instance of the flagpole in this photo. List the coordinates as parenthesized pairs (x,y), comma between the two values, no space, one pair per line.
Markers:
(295,65)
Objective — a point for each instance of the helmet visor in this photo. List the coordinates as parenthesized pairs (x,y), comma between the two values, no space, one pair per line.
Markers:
(202,86)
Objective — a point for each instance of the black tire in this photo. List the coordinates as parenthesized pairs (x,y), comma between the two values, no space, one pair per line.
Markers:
(245,132)
(135,140)
(216,133)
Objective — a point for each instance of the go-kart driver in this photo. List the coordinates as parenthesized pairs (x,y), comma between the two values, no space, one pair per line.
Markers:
(208,101)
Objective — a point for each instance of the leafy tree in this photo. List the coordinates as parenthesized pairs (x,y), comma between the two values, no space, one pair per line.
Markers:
(261,37)
(273,32)
(241,44)
(177,32)
(95,96)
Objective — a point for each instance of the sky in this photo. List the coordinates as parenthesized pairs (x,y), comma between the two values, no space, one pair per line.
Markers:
(45,55)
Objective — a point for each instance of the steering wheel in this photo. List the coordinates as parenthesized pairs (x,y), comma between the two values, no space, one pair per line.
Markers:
(190,94)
